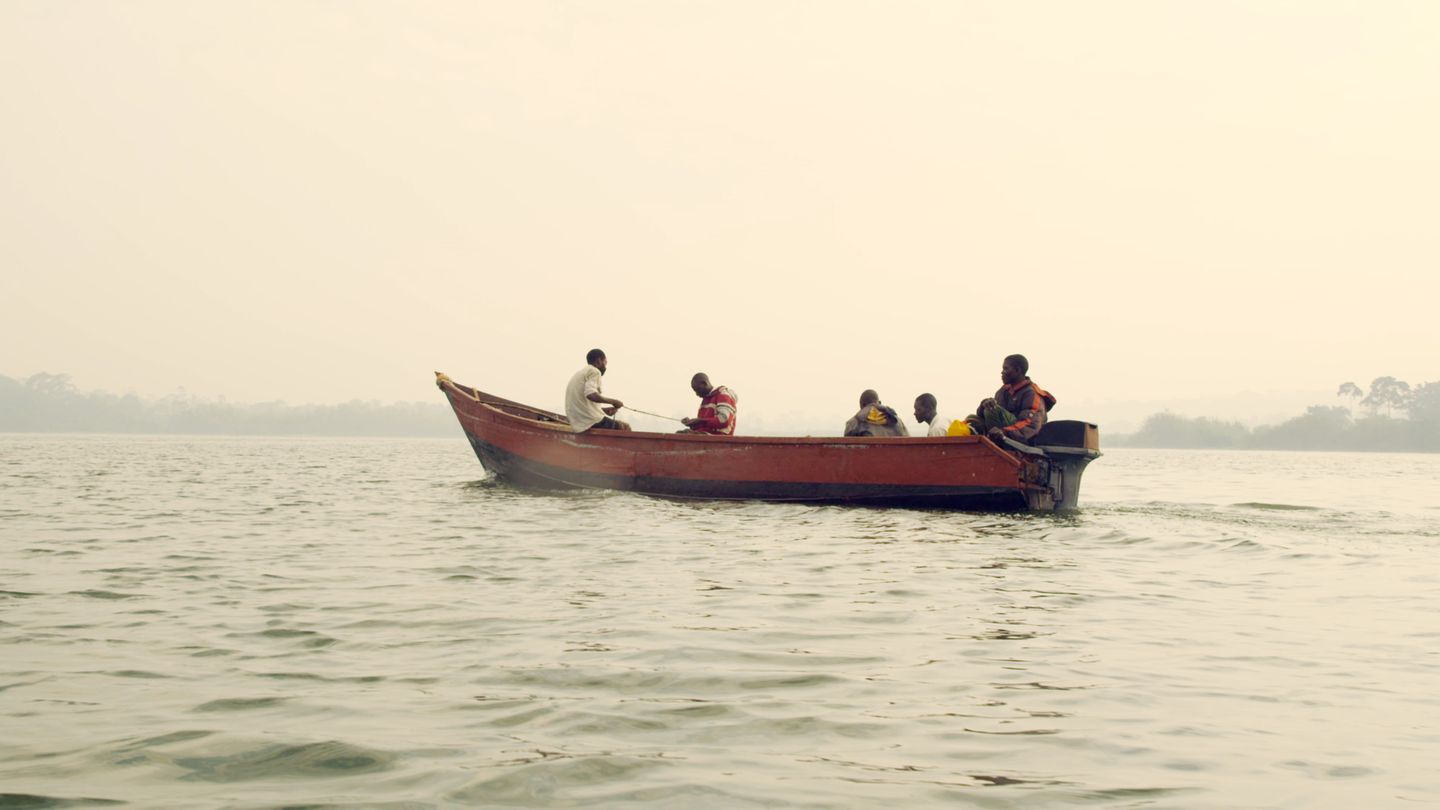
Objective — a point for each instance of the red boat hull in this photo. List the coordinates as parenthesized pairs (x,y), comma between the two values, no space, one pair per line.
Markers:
(536,449)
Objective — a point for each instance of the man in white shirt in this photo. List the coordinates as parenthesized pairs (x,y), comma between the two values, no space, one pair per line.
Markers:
(925,406)
(583,399)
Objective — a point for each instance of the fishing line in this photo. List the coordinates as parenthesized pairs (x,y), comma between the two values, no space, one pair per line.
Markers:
(647,413)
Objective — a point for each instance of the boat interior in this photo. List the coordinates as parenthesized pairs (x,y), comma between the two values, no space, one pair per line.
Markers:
(1065,433)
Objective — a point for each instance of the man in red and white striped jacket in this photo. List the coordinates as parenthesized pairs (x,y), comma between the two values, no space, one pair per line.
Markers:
(717,408)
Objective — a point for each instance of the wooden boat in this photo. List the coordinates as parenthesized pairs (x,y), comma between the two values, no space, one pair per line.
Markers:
(533,448)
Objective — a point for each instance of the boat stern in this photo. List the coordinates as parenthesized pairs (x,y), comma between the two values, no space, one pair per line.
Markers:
(1056,462)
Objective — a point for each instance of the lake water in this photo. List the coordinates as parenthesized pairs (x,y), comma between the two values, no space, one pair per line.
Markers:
(221,622)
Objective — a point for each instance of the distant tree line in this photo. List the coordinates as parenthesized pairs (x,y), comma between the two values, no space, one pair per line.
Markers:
(51,403)
(1391,416)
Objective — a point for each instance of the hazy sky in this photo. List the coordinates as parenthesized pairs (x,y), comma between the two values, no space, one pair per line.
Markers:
(1160,203)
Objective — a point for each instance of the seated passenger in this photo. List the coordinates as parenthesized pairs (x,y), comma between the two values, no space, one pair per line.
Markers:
(1018,409)
(925,406)
(585,406)
(717,408)
(874,419)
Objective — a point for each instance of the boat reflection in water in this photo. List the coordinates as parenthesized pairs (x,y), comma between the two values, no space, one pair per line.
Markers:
(536,449)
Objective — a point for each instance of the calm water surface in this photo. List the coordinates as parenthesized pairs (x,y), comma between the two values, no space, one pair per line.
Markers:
(215,622)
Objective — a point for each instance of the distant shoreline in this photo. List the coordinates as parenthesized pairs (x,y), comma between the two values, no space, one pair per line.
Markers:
(50,404)
(1117,443)
(99,434)
(1320,428)
(1125,445)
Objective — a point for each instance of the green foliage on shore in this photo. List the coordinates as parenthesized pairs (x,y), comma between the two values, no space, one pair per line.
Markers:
(46,403)
(1392,417)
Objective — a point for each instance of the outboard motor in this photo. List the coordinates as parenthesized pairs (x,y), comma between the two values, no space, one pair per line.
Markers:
(1067,447)
(1070,446)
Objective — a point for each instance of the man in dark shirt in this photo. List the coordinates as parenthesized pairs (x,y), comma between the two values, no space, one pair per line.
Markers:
(1018,409)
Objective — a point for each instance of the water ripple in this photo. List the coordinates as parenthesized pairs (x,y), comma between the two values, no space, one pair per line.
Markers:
(323,759)
(335,623)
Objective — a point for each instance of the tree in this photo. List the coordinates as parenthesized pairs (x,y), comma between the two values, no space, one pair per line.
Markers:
(1321,428)
(1425,402)
(1388,393)
(1351,390)
(1172,430)
(1425,415)
(50,384)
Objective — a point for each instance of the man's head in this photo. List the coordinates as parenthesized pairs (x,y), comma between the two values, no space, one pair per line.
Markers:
(700,384)
(925,408)
(596,358)
(1014,369)
(868,397)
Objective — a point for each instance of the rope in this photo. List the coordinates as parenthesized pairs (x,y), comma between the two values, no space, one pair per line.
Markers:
(442,379)
(658,415)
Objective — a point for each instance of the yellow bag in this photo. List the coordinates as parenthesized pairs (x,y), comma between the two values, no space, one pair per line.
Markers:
(959,428)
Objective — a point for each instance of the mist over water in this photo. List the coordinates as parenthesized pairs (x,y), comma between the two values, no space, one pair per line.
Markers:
(217,622)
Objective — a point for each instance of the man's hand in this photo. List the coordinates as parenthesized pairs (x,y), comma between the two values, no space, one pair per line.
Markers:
(688,422)
(995,434)
(609,411)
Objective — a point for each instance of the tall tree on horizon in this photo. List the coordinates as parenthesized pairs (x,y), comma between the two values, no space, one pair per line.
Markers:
(1388,393)
(1353,391)
(52,385)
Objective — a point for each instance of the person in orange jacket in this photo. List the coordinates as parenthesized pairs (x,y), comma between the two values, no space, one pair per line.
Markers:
(1018,410)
